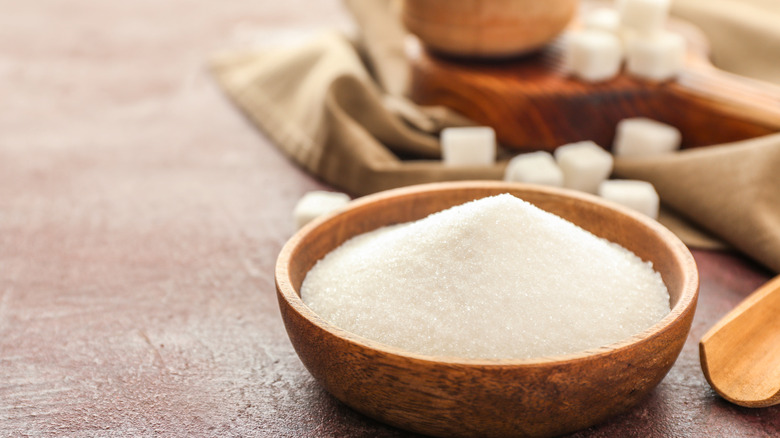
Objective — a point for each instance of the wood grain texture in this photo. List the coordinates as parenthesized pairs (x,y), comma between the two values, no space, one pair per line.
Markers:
(140,221)
(486,29)
(534,104)
(471,398)
(740,356)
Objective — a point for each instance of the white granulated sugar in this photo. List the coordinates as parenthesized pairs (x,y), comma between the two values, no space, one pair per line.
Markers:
(492,278)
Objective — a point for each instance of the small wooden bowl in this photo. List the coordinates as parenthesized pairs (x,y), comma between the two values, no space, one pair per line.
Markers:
(448,396)
(486,28)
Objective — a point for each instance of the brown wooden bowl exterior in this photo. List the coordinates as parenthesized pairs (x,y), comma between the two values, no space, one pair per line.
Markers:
(455,397)
(486,28)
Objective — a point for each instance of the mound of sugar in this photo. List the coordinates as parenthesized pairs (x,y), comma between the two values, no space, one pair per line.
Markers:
(492,278)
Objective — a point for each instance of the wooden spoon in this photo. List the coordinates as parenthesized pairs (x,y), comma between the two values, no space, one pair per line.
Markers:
(740,355)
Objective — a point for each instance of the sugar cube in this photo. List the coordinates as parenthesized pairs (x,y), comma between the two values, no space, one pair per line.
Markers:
(536,168)
(593,55)
(317,203)
(468,146)
(657,57)
(604,19)
(638,195)
(642,137)
(584,164)
(644,16)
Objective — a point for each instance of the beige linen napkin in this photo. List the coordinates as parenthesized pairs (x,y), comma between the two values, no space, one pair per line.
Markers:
(744,35)
(732,190)
(336,107)
(321,107)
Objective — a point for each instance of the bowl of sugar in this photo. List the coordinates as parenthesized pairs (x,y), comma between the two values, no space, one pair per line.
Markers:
(486,308)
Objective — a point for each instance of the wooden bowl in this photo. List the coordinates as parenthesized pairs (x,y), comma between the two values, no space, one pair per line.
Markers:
(449,396)
(486,28)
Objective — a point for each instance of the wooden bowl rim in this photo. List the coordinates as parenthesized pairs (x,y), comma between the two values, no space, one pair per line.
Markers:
(688,296)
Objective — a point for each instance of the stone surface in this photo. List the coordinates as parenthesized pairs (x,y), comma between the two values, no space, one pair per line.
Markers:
(140,220)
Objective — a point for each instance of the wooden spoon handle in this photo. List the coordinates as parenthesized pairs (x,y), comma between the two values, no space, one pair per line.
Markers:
(740,355)
(740,98)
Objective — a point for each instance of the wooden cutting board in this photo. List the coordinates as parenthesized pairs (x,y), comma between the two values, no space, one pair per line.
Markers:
(533,104)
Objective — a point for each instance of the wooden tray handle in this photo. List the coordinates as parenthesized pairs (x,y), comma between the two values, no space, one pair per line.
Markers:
(533,104)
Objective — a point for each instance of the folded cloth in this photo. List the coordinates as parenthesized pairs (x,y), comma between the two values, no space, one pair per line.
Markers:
(744,35)
(732,190)
(321,107)
(337,108)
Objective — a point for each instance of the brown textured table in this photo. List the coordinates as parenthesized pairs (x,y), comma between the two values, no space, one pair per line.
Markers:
(140,218)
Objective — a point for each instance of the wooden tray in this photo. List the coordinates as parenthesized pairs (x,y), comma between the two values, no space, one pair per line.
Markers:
(533,104)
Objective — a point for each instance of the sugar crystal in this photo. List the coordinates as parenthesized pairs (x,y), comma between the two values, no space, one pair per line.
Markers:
(492,278)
